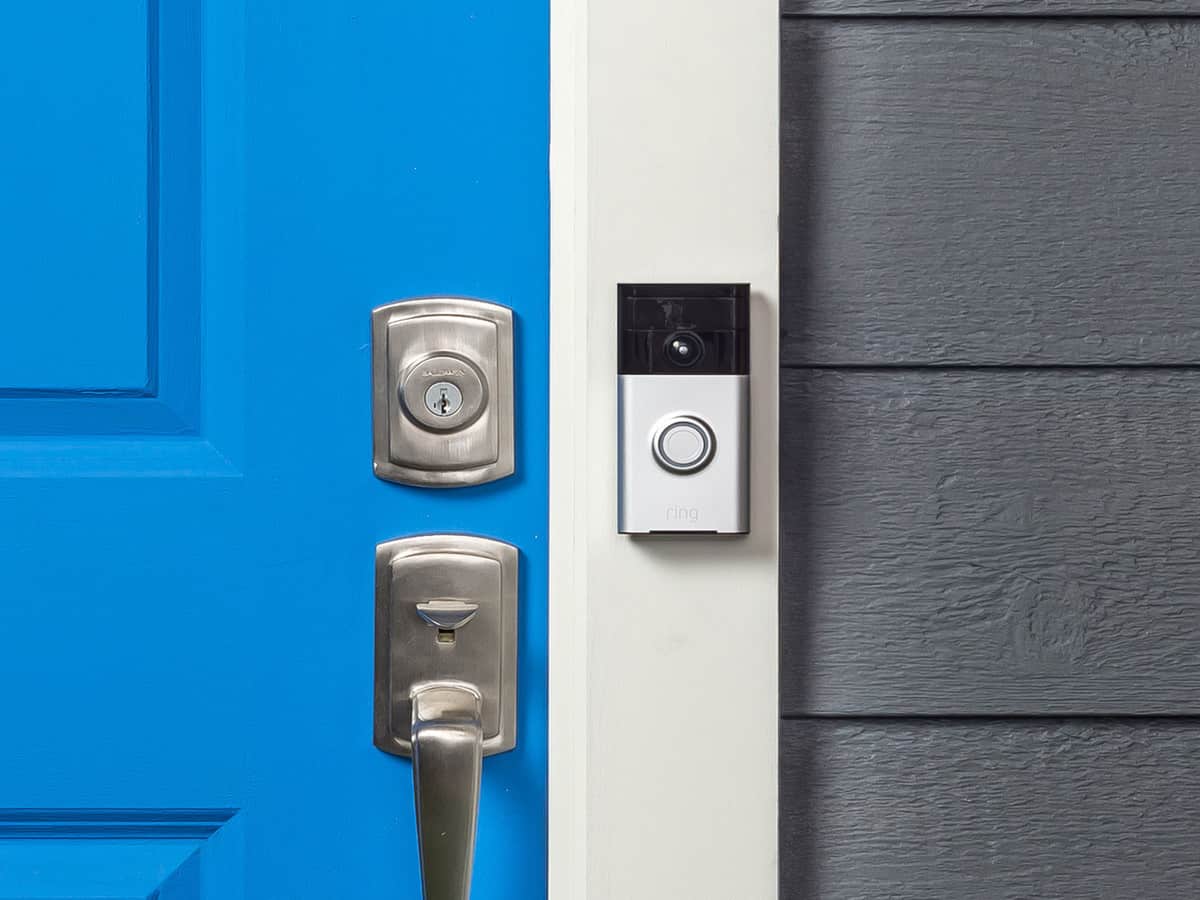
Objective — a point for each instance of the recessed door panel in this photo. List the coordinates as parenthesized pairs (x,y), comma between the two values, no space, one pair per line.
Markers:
(204,203)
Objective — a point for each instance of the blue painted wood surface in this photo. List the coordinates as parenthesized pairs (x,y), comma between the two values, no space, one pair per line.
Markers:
(89,870)
(74,188)
(121,854)
(186,551)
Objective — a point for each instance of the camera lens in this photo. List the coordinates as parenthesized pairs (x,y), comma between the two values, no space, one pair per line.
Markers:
(684,349)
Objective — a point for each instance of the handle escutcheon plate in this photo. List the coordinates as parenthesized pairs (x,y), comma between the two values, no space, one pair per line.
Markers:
(445,611)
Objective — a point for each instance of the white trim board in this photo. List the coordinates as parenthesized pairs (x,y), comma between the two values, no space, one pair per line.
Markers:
(663,652)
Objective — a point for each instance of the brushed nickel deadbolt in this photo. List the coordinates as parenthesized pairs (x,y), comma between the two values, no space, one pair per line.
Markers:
(443,391)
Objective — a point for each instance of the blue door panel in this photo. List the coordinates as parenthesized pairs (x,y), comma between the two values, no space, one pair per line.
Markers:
(71,79)
(186,548)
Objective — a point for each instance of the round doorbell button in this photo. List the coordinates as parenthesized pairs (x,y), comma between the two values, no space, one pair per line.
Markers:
(683,444)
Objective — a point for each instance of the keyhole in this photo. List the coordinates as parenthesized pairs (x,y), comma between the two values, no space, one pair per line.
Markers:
(443,398)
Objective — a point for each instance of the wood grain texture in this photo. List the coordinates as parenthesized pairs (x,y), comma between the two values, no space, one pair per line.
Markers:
(1006,541)
(937,810)
(990,192)
(1081,8)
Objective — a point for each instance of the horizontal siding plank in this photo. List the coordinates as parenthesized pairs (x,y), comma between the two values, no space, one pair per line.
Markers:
(996,542)
(1080,8)
(989,192)
(911,810)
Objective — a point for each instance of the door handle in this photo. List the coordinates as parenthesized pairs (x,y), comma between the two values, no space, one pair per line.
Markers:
(447,754)
(445,684)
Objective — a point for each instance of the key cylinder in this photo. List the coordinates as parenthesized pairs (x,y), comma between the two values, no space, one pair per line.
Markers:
(443,393)
(443,398)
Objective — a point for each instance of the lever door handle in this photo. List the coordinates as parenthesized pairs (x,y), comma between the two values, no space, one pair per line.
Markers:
(446,684)
(447,753)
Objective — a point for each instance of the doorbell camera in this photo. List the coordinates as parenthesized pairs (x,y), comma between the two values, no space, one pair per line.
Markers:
(683,397)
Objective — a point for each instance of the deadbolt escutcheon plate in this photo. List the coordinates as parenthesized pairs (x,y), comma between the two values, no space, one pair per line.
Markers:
(442,373)
(445,613)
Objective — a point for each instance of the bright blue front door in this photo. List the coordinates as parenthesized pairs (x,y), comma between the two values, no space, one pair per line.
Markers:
(202,201)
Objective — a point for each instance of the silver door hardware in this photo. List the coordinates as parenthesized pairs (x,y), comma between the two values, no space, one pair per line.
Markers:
(683,396)
(683,444)
(443,391)
(446,684)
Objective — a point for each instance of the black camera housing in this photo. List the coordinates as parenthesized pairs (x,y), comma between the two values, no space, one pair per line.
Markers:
(652,319)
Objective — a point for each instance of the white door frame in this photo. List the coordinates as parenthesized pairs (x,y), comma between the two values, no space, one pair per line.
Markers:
(664,652)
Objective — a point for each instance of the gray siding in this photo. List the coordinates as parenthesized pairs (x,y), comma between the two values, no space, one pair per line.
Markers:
(1007,541)
(990,450)
(1010,810)
(1005,191)
(1032,8)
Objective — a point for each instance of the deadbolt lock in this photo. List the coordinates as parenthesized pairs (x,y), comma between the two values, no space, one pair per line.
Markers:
(443,391)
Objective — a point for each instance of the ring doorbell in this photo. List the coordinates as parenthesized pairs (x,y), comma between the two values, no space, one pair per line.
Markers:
(683,396)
